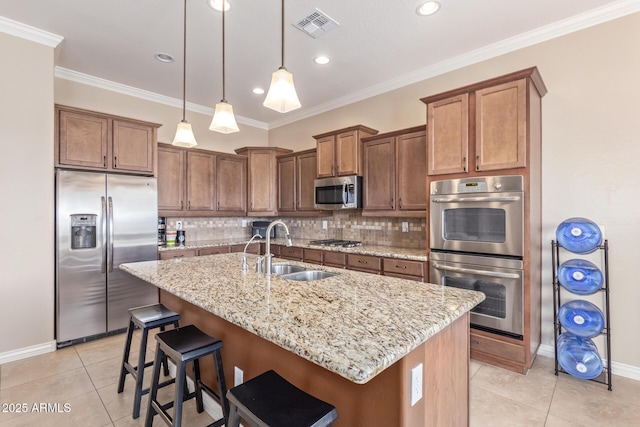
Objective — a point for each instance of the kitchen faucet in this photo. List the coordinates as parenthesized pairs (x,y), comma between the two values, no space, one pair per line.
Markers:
(267,254)
(245,266)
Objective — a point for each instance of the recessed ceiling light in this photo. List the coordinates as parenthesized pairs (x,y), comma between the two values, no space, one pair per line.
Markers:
(163,57)
(217,5)
(258,91)
(428,8)
(322,60)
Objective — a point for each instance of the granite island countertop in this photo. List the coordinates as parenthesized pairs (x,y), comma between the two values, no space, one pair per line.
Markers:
(365,249)
(353,324)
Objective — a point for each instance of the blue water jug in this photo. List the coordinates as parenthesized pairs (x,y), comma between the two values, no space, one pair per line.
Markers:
(580,276)
(579,356)
(579,235)
(581,318)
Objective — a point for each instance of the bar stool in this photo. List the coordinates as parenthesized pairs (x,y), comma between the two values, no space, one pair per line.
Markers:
(146,318)
(270,400)
(183,345)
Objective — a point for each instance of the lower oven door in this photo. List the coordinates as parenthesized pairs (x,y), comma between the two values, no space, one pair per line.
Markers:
(500,279)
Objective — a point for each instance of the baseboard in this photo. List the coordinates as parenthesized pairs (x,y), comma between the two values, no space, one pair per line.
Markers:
(23,353)
(627,371)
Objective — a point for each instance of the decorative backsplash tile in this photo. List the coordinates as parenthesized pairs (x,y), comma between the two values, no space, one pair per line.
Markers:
(342,225)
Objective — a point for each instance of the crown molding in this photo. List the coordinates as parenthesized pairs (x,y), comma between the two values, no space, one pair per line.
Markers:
(27,32)
(575,23)
(75,76)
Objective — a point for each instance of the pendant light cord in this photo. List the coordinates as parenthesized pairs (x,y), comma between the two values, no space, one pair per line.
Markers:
(282,34)
(224,98)
(184,64)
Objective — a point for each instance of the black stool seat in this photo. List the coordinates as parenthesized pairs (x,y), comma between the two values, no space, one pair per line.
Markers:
(183,345)
(146,318)
(269,400)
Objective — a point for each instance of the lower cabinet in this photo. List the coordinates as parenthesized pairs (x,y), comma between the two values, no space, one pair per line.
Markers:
(312,256)
(404,269)
(364,263)
(334,259)
(178,253)
(216,250)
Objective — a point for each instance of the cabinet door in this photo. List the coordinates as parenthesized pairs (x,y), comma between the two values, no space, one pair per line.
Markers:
(83,139)
(170,178)
(307,170)
(501,126)
(132,146)
(379,175)
(287,184)
(262,181)
(178,253)
(448,135)
(231,182)
(201,188)
(411,172)
(347,153)
(326,157)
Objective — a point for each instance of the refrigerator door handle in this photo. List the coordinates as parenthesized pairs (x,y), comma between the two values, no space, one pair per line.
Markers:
(103,265)
(110,252)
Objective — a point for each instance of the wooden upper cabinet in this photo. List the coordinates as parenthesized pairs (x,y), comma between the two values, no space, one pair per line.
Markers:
(133,146)
(201,185)
(395,173)
(379,175)
(263,179)
(287,184)
(171,178)
(448,135)
(306,167)
(501,126)
(231,183)
(411,170)
(325,155)
(82,139)
(90,140)
(339,153)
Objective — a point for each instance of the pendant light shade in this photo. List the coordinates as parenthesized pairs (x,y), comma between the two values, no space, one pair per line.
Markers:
(282,95)
(223,119)
(184,134)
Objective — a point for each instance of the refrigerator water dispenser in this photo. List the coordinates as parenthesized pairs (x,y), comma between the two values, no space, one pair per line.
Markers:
(83,231)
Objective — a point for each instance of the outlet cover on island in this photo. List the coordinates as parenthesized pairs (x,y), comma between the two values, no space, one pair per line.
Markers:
(405,226)
(324,225)
(237,376)
(416,384)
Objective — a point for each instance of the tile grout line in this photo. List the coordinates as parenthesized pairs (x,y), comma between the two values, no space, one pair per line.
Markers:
(555,386)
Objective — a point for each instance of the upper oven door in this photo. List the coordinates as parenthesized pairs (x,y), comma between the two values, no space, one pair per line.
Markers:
(483,223)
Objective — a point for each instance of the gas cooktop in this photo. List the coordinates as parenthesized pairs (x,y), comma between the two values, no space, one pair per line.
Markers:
(336,242)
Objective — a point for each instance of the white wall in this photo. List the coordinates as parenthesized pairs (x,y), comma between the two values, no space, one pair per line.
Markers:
(591,147)
(26,138)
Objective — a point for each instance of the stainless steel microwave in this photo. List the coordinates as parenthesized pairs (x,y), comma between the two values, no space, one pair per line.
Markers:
(344,192)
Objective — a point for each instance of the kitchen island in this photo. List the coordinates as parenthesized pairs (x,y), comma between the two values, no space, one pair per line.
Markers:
(351,339)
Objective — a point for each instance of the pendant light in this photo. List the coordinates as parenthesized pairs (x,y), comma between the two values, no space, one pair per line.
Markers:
(184,134)
(223,118)
(282,95)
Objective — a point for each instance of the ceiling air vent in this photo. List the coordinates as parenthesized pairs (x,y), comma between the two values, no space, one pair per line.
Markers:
(316,24)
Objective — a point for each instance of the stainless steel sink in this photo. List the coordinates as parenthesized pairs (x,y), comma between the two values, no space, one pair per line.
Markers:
(308,275)
(279,269)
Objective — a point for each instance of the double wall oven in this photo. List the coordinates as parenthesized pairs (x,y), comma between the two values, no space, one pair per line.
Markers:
(477,242)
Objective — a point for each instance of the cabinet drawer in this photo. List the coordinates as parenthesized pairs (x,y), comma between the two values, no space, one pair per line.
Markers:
(275,249)
(313,256)
(334,259)
(186,253)
(364,262)
(291,252)
(251,249)
(405,267)
(498,348)
(213,251)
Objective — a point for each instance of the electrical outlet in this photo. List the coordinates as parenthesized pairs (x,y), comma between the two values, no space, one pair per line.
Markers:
(178,225)
(324,225)
(416,384)
(237,376)
(405,226)
(244,223)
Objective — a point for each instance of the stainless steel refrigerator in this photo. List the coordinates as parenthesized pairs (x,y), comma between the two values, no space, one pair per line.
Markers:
(102,221)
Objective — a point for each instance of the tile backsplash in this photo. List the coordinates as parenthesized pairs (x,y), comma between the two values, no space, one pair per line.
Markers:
(342,225)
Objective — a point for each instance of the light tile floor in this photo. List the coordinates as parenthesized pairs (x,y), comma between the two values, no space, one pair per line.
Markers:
(82,381)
